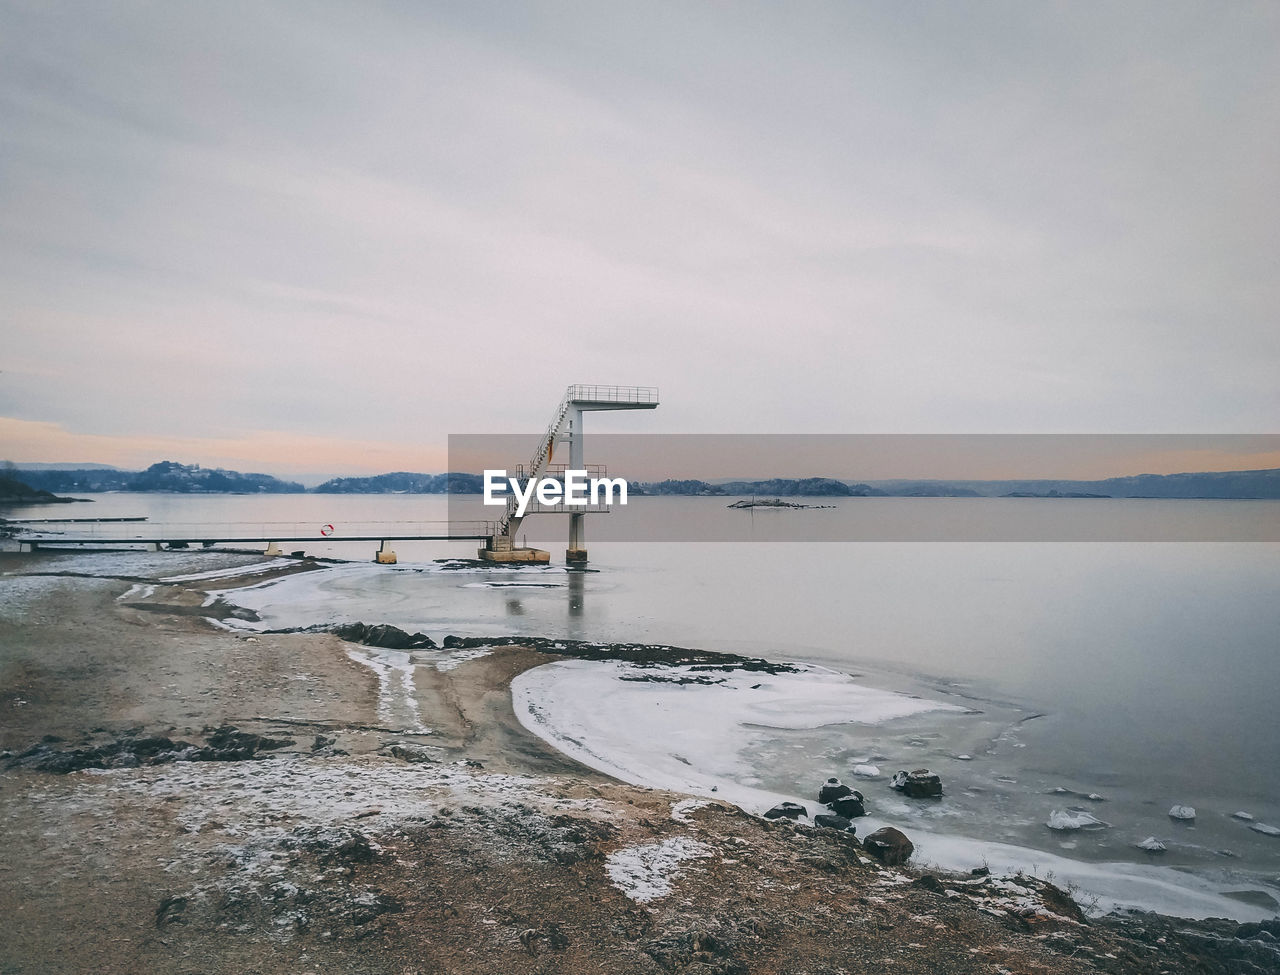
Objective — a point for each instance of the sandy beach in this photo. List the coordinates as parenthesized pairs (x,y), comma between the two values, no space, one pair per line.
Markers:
(180,797)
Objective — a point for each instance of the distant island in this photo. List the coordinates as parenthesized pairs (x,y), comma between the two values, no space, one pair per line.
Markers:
(170,476)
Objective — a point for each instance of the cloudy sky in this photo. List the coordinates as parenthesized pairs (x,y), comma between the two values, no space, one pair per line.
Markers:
(303,237)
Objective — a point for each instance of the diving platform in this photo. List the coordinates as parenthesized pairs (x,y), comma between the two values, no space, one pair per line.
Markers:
(565,429)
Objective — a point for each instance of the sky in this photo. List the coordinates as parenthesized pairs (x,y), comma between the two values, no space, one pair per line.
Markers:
(320,237)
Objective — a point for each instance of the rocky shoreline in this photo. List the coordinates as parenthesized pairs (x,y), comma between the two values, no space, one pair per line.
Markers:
(180,798)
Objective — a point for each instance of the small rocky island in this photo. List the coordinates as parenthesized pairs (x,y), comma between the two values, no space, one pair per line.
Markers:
(15,492)
(774,503)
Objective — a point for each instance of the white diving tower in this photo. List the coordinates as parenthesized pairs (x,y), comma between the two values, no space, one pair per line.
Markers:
(565,427)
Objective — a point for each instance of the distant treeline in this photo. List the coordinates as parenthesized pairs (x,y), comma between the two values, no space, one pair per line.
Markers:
(192,479)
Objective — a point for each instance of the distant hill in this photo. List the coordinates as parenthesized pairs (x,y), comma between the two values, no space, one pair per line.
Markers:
(194,479)
(165,476)
(1222,485)
(94,480)
(404,482)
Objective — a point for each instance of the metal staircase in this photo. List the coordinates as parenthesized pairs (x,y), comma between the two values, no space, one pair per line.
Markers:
(538,464)
(566,423)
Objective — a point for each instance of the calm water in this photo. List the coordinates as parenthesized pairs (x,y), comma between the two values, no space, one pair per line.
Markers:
(1147,672)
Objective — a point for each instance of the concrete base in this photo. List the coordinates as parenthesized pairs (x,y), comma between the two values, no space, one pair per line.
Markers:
(576,556)
(384,557)
(273,550)
(513,555)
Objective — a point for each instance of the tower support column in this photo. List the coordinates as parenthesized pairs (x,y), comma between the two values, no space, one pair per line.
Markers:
(577,551)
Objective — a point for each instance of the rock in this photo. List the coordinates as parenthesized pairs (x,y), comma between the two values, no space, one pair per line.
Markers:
(170,911)
(1246,817)
(382,635)
(1264,829)
(150,747)
(833,821)
(414,753)
(1070,819)
(1184,813)
(229,744)
(1151,845)
(920,784)
(850,806)
(832,790)
(225,744)
(786,810)
(983,871)
(866,771)
(929,882)
(332,844)
(890,846)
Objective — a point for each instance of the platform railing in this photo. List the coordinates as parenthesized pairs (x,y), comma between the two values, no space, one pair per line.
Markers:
(612,394)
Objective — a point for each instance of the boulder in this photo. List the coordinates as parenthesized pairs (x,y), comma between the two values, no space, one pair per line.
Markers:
(850,806)
(832,790)
(833,821)
(1151,845)
(1184,813)
(920,784)
(890,846)
(786,810)
(382,635)
(929,882)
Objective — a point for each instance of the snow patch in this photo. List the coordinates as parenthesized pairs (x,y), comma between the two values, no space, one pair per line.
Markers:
(458,657)
(397,696)
(646,873)
(139,590)
(680,810)
(256,568)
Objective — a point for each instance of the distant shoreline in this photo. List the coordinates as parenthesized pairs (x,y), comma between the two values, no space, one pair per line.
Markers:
(171,478)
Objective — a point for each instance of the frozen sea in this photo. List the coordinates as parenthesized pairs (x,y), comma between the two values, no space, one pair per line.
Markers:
(1144,674)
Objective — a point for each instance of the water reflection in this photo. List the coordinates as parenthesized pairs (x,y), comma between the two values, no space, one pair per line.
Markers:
(577,593)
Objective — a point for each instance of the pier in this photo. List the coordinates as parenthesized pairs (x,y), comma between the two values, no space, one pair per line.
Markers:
(129,532)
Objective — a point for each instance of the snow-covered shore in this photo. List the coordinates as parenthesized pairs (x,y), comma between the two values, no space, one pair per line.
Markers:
(689,731)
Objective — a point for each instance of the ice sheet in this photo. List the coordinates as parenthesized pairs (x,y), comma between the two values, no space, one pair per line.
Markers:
(690,738)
